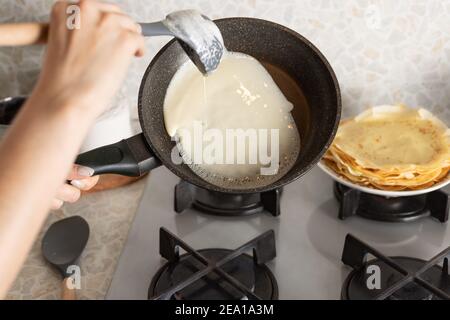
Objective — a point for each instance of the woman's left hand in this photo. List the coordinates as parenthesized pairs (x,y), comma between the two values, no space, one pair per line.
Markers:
(79,179)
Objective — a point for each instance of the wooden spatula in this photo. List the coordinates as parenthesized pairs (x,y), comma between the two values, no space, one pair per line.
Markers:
(22,34)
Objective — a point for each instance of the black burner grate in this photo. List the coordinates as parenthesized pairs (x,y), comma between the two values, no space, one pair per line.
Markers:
(263,248)
(414,278)
(225,204)
(394,209)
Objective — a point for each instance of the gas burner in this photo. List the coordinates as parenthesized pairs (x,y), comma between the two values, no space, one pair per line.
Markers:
(401,278)
(225,204)
(395,209)
(213,274)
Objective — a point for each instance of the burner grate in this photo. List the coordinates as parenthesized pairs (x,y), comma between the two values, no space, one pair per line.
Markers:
(355,253)
(263,248)
(395,209)
(225,204)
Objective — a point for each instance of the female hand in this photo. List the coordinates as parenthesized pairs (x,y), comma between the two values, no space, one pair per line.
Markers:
(82,72)
(79,179)
(84,67)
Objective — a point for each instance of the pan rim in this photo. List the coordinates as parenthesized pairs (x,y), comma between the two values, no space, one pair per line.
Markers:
(279,183)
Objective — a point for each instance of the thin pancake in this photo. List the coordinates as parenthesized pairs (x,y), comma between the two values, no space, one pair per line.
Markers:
(391,148)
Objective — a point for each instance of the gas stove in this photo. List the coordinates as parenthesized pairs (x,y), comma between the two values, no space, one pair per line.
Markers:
(301,221)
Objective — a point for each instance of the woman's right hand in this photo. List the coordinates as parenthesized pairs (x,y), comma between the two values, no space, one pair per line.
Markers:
(83,68)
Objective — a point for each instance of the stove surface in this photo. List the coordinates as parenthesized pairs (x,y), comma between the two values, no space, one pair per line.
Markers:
(309,237)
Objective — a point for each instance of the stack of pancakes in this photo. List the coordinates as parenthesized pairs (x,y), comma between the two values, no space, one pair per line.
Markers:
(391,148)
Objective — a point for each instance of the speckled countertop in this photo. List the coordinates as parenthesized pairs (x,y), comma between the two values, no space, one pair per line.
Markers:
(109,214)
(383,51)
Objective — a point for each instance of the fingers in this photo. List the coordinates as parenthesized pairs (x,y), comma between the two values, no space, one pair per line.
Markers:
(85,184)
(72,192)
(59,11)
(56,204)
(68,193)
(103,6)
(130,31)
(137,43)
(106,6)
(100,13)
(81,177)
(121,20)
(113,12)
(79,172)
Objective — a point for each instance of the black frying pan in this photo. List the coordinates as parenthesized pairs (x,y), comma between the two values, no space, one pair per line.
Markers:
(268,42)
(271,44)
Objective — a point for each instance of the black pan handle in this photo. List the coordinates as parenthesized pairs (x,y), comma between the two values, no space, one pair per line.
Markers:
(9,107)
(129,157)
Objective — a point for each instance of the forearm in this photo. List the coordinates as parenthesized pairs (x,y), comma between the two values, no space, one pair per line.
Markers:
(37,151)
(86,65)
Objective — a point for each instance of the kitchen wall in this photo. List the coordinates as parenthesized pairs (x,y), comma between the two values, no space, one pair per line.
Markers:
(383,51)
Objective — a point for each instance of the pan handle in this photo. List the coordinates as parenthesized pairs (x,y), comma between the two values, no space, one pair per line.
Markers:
(129,157)
(9,107)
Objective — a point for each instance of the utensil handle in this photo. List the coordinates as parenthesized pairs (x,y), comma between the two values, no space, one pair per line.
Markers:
(130,157)
(155,29)
(67,293)
(22,34)
(9,108)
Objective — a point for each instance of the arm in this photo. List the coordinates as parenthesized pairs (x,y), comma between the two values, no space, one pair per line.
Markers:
(82,70)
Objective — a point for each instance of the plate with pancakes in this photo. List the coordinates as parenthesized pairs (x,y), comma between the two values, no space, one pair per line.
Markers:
(390,150)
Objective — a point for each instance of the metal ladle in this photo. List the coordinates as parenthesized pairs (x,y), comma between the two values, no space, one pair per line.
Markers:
(198,35)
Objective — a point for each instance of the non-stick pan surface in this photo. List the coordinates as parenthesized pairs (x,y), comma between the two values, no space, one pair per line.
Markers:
(270,43)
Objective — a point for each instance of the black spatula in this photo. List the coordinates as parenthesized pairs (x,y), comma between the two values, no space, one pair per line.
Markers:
(62,245)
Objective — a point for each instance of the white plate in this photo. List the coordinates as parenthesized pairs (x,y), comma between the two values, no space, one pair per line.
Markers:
(385,193)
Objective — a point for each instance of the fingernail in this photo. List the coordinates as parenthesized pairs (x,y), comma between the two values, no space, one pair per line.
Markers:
(78,184)
(139,28)
(85,171)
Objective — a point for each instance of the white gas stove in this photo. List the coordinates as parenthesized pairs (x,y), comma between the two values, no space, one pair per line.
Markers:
(309,237)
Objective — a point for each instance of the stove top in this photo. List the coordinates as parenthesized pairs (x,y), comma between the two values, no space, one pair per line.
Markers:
(309,240)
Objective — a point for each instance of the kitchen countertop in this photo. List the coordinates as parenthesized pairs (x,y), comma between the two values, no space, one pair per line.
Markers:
(109,221)
(382,51)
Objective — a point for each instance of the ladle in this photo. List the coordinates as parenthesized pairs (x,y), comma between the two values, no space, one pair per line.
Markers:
(197,34)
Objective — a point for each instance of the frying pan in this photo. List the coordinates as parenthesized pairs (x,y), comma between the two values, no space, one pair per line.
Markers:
(268,42)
